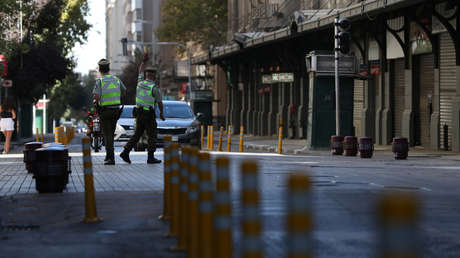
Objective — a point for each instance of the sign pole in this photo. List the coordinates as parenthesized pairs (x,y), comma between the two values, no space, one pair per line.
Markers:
(337,97)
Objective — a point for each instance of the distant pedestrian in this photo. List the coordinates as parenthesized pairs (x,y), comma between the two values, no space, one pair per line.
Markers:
(7,116)
(148,95)
(107,95)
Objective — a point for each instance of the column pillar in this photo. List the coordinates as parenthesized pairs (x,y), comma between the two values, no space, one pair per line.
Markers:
(302,110)
(435,116)
(263,116)
(243,88)
(408,113)
(283,98)
(456,108)
(379,107)
(251,99)
(387,114)
(273,110)
(292,117)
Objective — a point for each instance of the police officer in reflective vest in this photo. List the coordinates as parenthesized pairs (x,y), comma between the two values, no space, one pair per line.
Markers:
(148,95)
(107,95)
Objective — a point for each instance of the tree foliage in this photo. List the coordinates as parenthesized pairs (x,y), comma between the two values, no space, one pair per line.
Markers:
(201,21)
(129,77)
(43,58)
(73,94)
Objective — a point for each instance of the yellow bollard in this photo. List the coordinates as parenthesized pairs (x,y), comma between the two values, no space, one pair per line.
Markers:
(193,181)
(221,134)
(223,210)
(166,179)
(205,211)
(241,138)
(208,138)
(36,135)
(229,139)
(56,134)
(280,140)
(202,137)
(90,199)
(212,138)
(299,218)
(174,190)
(183,187)
(250,220)
(398,217)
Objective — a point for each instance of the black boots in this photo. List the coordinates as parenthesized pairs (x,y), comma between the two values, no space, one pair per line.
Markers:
(125,156)
(109,160)
(151,159)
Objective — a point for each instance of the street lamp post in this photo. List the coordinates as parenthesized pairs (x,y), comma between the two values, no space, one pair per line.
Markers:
(173,43)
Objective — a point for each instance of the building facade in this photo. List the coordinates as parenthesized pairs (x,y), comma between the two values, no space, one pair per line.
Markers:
(409,63)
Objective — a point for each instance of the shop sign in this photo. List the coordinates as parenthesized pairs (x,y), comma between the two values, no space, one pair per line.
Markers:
(364,70)
(276,77)
(375,67)
(286,77)
(267,79)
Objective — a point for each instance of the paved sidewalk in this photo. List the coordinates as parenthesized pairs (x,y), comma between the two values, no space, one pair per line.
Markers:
(49,225)
(298,147)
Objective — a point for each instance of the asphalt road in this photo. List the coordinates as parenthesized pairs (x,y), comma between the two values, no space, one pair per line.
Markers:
(345,192)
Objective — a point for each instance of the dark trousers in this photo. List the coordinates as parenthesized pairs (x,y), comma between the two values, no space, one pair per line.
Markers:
(145,120)
(109,117)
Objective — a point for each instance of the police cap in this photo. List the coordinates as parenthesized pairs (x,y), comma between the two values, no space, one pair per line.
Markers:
(103,62)
(150,69)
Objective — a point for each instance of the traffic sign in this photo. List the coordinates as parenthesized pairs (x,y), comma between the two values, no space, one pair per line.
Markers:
(7,83)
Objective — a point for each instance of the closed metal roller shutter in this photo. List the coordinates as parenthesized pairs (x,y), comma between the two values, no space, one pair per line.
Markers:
(426,77)
(358,104)
(447,87)
(398,95)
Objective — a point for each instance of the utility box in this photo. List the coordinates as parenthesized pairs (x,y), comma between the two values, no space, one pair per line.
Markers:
(201,102)
(321,104)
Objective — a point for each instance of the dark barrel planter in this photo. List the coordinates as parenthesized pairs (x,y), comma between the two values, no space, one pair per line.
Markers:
(29,154)
(400,147)
(366,147)
(350,145)
(337,145)
(51,169)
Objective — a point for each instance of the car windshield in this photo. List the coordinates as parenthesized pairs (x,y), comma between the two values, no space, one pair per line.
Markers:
(127,112)
(175,111)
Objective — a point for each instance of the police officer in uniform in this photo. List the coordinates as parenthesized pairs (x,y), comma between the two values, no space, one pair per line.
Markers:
(148,95)
(107,95)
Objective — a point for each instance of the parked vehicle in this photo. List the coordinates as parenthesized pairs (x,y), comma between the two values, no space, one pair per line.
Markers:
(95,132)
(125,125)
(180,123)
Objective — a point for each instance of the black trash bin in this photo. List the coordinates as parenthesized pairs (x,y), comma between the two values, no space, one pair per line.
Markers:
(51,169)
(29,154)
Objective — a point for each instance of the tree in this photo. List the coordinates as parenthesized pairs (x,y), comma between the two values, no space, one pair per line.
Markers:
(72,96)
(200,21)
(43,58)
(129,77)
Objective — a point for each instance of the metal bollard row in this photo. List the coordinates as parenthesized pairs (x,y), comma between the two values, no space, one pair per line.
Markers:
(205,207)
(221,134)
(192,244)
(223,210)
(241,138)
(299,219)
(174,190)
(229,139)
(280,140)
(90,199)
(398,214)
(251,226)
(166,179)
